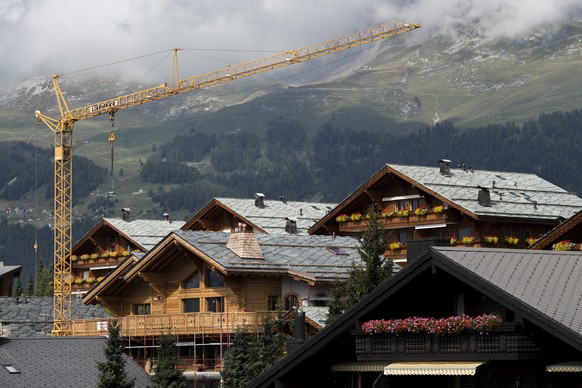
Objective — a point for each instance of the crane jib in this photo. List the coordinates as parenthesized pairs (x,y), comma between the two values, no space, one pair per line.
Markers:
(103,105)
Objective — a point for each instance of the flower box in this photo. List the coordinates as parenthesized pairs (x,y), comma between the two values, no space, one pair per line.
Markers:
(511,240)
(420,211)
(491,239)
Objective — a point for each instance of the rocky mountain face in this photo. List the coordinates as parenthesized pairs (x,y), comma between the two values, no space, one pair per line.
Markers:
(468,79)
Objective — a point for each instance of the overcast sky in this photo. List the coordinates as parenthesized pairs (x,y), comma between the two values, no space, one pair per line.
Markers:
(45,37)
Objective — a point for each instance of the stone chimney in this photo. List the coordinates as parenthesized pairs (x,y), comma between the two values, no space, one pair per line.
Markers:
(445,168)
(291,225)
(125,213)
(282,199)
(484,197)
(260,200)
(166,216)
(299,331)
(245,245)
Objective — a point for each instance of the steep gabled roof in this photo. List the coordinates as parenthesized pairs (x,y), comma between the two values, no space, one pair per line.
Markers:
(541,286)
(270,219)
(6,270)
(513,195)
(310,258)
(58,362)
(144,233)
(571,229)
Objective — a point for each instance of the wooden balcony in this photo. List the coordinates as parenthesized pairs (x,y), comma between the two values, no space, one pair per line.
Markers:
(179,324)
(397,222)
(499,345)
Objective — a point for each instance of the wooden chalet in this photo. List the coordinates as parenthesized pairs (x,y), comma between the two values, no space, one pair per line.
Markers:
(110,242)
(259,215)
(424,327)
(201,286)
(565,237)
(8,274)
(467,206)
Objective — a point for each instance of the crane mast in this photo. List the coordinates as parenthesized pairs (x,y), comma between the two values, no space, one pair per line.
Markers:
(62,129)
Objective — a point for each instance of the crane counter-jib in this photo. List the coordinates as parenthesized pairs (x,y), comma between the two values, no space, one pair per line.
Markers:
(63,131)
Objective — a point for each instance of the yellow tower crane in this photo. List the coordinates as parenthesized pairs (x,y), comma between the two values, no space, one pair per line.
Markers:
(63,137)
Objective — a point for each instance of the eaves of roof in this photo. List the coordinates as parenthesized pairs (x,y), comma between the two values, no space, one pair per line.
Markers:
(552,236)
(217,203)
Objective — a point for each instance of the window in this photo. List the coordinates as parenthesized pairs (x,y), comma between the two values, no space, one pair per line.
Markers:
(337,251)
(191,305)
(215,305)
(141,309)
(463,232)
(194,281)
(320,299)
(401,205)
(291,301)
(272,302)
(213,279)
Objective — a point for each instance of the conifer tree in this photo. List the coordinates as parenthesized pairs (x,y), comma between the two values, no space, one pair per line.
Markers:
(240,360)
(30,286)
(165,373)
(364,278)
(112,372)
(18,291)
(43,284)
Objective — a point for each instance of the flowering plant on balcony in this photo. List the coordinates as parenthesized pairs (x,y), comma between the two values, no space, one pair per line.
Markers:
(468,240)
(90,280)
(420,211)
(94,256)
(387,214)
(531,241)
(342,218)
(84,256)
(113,254)
(482,324)
(73,257)
(100,278)
(438,209)
(453,241)
(78,280)
(403,213)
(511,240)
(356,216)
(105,255)
(565,245)
(397,245)
(491,239)
(125,253)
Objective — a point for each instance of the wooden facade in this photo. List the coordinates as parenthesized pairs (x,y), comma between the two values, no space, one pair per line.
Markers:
(179,287)
(467,214)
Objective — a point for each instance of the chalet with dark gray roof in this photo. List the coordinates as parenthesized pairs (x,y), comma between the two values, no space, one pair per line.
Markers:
(567,236)
(206,284)
(110,242)
(278,216)
(535,339)
(470,207)
(8,273)
(58,362)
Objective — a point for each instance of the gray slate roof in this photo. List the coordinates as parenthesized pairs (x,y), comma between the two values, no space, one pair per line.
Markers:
(7,269)
(272,218)
(305,255)
(548,282)
(512,194)
(32,316)
(146,233)
(58,362)
(318,314)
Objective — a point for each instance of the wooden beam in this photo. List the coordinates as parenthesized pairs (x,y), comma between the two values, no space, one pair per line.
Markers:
(156,281)
(111,303)
(376,197)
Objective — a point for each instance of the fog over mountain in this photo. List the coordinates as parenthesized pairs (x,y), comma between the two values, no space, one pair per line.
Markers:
(77,38)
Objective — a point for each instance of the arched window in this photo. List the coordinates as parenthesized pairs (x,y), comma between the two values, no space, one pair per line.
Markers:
(291,301)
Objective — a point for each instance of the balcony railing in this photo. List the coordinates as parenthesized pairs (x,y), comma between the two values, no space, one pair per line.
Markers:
(509,344)
(397,222)
(179,324)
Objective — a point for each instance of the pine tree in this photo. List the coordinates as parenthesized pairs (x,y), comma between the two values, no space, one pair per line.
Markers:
(30,286)
(18,291)
(363,279)
(112,372)
(239,360)
(166,375)
(43,284)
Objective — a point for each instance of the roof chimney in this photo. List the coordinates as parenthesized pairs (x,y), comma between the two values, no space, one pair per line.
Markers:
(245,245)
(291,225)
(260,200)
(125,213)
(484,197)
(445,168)
(298,331)
(166,216)
(282,199)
